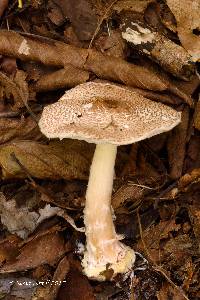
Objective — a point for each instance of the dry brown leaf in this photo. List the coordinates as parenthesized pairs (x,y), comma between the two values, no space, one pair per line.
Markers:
(197,116)
(67,159)
(154,234)
(46,249)
(187,15)
(73,291)
(82,15)
(3,6)
(16,87)
(9,248)
(107,67)
(67,77)
(188,179)
(179,249)
(177,145)
(47,290)
(131,5)
(168,292)
(24,128)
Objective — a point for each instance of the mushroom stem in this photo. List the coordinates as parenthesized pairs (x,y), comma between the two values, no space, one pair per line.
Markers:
(103,249)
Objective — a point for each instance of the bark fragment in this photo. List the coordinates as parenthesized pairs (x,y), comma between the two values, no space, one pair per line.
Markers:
(170,56)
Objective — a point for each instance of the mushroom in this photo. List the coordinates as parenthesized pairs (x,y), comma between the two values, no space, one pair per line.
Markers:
(107,115)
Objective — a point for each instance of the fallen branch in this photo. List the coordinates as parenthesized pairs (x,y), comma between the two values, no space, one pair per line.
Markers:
(170,56)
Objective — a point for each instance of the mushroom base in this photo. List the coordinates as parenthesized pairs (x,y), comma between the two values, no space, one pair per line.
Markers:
(102,272)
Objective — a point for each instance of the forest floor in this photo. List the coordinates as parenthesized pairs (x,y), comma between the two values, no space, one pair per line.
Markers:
(48,47)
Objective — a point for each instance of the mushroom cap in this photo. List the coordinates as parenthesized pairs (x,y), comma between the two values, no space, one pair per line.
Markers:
(106,113)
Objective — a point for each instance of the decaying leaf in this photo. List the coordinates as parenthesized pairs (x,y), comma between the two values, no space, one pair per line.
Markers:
(48,289)
(169,292)
(82,15)
(17,220)
(22,288)
(131,5)
(189,178)
(22,221)
(73,291)
(197,116)
(187,16)
(67,77)
(154,234)
(104,66)
(60,159)
(177,146)
(45,249)
(23,128)
(17,88)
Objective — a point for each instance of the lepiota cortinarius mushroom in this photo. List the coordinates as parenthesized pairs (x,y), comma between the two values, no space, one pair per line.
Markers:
(107,115)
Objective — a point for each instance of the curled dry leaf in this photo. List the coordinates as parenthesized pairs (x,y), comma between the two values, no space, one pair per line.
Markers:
(67,77)
(68,159)
(17,88)
(187,16)
(104,66)
(188,179)
(177,145)
(24,128)
(46,249)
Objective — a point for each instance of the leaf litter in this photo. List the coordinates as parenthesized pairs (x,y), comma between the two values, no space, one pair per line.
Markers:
(157,182)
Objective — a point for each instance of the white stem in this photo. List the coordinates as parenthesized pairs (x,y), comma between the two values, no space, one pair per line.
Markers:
(103,246)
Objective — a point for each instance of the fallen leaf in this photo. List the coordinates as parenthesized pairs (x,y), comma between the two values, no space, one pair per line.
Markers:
(3,6)
(168,292)
(16,87)
(179,249)
(45,249)
(12,128)
(60,159)
(154,234)
(187,16)
(197,116)
(18,288)
(177,145)
(82,15)
(17,220)
(131,5)
(73,291)
(63,78)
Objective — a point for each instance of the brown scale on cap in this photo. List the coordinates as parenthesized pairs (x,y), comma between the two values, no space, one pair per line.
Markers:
(106,113)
